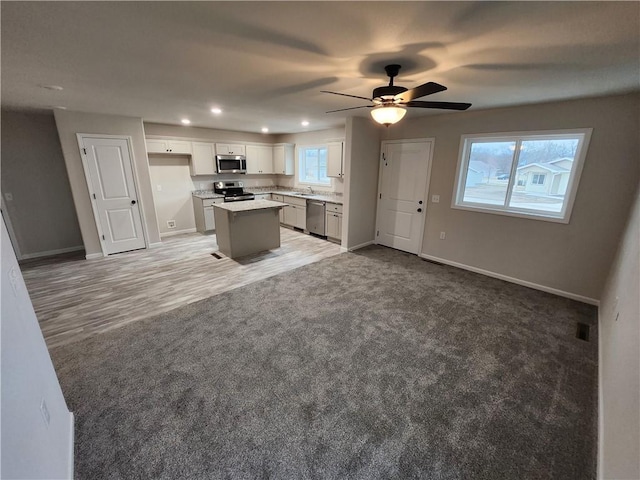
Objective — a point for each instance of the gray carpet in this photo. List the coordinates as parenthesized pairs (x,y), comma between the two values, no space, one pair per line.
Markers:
(367,365)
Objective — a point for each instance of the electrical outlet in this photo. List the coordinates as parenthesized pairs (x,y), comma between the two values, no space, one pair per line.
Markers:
(8,197)
(171,223)
(45,412)
(159,188)
(13,280)
(435,198)
(443,235)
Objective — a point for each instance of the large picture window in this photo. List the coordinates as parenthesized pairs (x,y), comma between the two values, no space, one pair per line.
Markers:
(312,166)
(533,174)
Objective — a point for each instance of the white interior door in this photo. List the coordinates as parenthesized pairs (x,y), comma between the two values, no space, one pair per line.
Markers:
(114,195)
(402,196)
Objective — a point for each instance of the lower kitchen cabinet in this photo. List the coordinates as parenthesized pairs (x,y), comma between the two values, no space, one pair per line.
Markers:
(295,216)
(203,212)
(333,215)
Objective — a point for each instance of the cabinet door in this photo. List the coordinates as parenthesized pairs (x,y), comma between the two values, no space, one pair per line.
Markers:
(179,146)
(156,146)
(266,160)
(334,225)
(290,216)
(334,159)
(209,219)
(253,158)
(202,159)
(283,159)
(230,149)
(301,217)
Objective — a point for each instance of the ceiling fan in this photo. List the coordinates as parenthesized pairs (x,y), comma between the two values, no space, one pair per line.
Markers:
(390,101)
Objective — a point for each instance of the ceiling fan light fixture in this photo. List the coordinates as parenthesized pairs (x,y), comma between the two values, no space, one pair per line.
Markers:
(388,114)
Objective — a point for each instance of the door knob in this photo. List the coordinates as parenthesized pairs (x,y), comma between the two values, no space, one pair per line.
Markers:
(133,202)
(419,210)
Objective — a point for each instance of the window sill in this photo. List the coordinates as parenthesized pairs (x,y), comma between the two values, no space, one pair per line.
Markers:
(513,213)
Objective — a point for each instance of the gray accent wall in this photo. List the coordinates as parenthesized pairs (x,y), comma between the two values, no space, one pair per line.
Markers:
(573,258)
(619,382)
(69,124)
(42,213)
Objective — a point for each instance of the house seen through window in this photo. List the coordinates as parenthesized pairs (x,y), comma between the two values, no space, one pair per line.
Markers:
(312,166)
(533,174)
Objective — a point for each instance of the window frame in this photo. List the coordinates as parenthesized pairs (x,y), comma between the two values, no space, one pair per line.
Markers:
(299,152)
(457,202)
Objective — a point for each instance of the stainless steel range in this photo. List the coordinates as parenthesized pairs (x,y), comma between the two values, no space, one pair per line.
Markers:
(232,191)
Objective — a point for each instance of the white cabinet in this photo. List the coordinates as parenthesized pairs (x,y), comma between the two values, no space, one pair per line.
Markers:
(230,149)
(283,161)
(259,159)
(203,212)
(203,159)
(295,214)
(263,196)
(164,145)
(333,214)
(335,159)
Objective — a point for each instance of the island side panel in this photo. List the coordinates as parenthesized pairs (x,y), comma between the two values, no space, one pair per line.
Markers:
(254,231)
(223,230)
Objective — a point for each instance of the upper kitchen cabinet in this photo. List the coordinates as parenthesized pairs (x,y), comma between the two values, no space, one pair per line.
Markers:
(203,159)
(334,159)
(163,145)
(230,149)
(259,159)
(283,159)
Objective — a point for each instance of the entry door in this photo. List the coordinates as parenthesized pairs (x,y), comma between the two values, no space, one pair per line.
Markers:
(113,191)
(402,198)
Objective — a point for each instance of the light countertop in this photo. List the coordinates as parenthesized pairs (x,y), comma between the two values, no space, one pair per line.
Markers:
(249,205)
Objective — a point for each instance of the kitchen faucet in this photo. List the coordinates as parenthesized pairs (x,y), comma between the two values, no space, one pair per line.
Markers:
(310,189)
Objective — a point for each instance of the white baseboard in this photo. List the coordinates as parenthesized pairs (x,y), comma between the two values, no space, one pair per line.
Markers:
(178,232)
(362,245)
(93,256)
(48,253)
(70,460)
(536,286)
(155,244)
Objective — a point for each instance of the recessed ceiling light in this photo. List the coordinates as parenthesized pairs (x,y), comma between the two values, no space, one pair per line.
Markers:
(186,121)
(216,110)
(265,130)
(305,123)
(52,87)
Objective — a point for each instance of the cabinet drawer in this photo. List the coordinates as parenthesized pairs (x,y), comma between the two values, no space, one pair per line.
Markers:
(295,201)
(207,202)
(334,207)
(277,198)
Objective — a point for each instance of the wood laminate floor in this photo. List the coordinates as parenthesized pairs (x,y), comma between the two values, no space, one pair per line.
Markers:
(76,298)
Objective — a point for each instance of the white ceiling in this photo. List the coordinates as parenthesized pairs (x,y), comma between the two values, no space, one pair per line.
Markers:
(264,63)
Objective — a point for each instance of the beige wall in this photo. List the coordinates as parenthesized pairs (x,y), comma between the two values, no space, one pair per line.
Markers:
(69,123)
(205,133)
(311,138)
(573,258)
(619,358)
(361,178)
(42,213)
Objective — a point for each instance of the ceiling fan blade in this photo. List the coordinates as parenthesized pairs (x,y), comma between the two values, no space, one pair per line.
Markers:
(420,91)
(345,95)
(351,108)
(443,105)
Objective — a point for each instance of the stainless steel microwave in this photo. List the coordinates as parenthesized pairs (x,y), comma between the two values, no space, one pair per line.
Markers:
(231,163)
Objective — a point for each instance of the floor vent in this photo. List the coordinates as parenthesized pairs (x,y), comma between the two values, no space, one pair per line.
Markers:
(216,256)
(582,332)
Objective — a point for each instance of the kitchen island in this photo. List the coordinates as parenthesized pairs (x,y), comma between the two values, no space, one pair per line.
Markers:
(243,228)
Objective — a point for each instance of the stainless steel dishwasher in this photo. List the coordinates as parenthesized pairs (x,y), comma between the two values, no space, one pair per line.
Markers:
(315,217)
